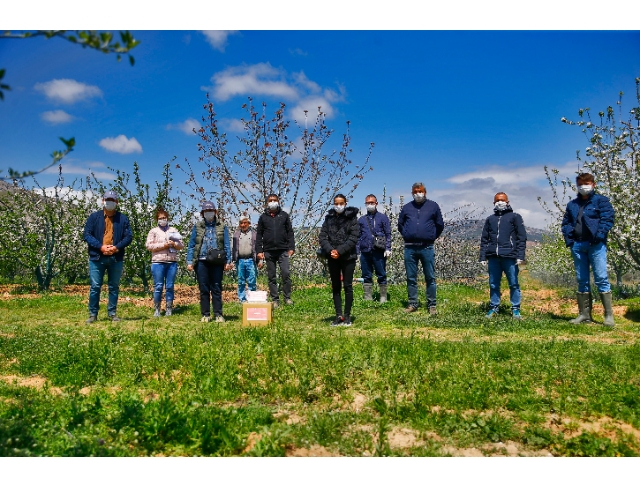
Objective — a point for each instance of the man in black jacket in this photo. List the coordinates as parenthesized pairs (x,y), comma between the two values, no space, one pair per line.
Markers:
(503,244)
(275,244)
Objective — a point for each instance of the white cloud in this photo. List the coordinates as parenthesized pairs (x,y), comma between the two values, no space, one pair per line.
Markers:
(71,167)
(186,127)
(121,144)
(232,124)
(523,185)
(218,38)
(56,117)
(67,90)
(262,79)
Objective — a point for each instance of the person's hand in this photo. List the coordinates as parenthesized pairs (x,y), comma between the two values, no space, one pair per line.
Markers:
(291,252)
(261,256)
(189,267)
(105,249)
(334,254)
(228,267)
(518,261)
(168,244)
(387,254)
(261,264)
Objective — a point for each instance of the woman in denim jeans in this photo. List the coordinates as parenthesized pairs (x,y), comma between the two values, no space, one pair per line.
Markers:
(163,242)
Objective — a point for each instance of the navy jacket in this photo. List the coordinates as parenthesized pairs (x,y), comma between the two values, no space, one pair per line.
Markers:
(598,216)
(274,232)
(341,232)
(94,234)
(503,235)
(379,224)
(420,223)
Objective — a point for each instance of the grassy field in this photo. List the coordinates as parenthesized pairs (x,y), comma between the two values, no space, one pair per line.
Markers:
(393,384)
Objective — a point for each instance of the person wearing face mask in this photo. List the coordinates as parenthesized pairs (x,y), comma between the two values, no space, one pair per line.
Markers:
(585,226)
(209,234)
(502,248)
(374,254)
(420,223)
(163,241)
(338,239)
(107,233)
(275,245)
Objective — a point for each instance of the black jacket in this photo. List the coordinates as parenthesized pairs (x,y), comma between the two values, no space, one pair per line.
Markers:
(341,232)
(503,235)
(274,232)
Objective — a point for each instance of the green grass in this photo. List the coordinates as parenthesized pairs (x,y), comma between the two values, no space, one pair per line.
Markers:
(175,386)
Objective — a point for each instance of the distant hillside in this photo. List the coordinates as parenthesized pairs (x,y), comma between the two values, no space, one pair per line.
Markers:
(473,231)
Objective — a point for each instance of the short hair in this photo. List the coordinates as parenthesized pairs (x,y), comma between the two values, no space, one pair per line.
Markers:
(160,211)
(501,192)
(585,177)
(371,196)
(244,218)
(340,195)
(274,195)
(418,185)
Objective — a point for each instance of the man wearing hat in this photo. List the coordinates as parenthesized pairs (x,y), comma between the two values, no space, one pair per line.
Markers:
(107,232)
(245,257)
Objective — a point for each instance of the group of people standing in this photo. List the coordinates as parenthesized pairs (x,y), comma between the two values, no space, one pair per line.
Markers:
(343,237)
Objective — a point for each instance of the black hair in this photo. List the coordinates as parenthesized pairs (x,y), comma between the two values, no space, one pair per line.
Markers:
(371,196)
(340,195)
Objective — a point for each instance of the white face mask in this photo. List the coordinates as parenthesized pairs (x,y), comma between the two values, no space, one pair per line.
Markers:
(273,205)
(110,205)
(500,205)
(338,208)
(585,189)
(371,208)
(209,215)
(419,197)
(163,222)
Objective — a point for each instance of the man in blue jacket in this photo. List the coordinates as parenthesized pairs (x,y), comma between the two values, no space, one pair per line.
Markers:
(585,226)
(107,232)
(420,224)
(502,247)
(374,247)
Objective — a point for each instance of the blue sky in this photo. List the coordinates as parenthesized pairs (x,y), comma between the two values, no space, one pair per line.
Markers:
(469,113)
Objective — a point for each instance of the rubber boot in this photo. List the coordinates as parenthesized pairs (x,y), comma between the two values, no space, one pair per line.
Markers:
(368,291)
(383,293)
(608,309)
(169,308)
(156,305)
(584,308)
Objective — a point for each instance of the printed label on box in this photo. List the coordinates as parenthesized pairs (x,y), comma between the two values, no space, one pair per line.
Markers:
(257,314)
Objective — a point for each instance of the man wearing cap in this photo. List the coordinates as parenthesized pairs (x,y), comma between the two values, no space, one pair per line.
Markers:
(275,244)
(209,254)
(107,232)
(245,257)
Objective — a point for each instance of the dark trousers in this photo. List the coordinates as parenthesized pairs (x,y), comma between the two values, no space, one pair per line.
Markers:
(210,284)
(373,260)
(344,268)
(280,257)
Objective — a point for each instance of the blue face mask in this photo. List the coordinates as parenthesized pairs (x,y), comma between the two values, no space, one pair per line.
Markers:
(163,222)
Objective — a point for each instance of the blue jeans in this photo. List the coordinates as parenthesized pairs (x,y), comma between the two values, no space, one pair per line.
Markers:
(498,265)
(412,256)
(161,272)
(97,269)
(246,275)
(594,254)
(373,260)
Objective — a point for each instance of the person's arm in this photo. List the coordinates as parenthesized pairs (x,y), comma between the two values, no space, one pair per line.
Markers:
(567,227)
(191,247)
(521,237)
(324,237)
(607,217)
(127,235)
(227,246)
(352,239)
(259,235)
(484,241)
(152,243)
(401,220)
(439,222)
(386,228)
(290,235)
(88,236)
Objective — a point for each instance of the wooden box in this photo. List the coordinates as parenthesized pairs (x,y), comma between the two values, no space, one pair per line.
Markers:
(256,314)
